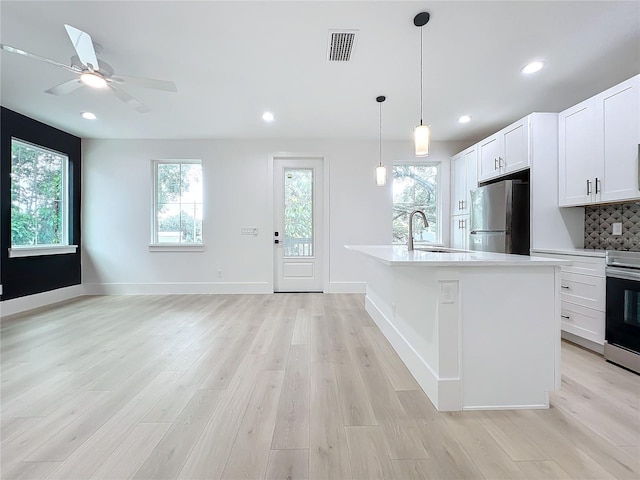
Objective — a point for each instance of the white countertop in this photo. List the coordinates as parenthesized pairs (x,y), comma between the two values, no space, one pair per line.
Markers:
(398,255)
(581,252)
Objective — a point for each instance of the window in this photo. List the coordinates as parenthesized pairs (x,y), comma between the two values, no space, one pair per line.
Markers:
(177,202)
(39,200)
(415,187)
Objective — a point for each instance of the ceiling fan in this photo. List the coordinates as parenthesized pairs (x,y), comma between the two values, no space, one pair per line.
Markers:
(93,73)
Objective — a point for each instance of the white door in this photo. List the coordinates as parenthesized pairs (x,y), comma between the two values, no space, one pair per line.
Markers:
(298,224)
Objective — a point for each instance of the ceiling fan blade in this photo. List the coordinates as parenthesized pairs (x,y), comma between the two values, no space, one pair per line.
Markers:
(66,87)
(84,47)
(129,100)
(9,48)
(164,85)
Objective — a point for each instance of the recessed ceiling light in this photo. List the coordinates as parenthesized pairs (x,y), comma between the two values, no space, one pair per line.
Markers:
(267,117)
(88,116)
(532,67)
(93,80)
(464,119)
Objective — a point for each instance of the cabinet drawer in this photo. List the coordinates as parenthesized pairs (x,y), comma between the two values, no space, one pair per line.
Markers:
(585,290)
(579,264)
(583,322)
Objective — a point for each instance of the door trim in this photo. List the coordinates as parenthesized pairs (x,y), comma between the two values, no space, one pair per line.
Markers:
(325,205)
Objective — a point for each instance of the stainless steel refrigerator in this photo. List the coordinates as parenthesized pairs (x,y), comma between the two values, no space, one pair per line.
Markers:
(500,218)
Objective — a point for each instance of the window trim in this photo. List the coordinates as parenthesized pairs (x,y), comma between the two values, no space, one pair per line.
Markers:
(154,245)
(64,247)
(439,217)
(41,250)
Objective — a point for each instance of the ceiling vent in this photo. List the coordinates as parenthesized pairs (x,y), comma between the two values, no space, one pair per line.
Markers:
(341,45)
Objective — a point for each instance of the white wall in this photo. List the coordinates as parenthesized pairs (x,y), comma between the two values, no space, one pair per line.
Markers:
(116,212)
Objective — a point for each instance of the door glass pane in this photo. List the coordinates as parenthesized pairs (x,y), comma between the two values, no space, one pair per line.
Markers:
(298,212)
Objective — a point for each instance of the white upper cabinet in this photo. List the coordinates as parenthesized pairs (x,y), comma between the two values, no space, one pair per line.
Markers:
(464,179)
(505,152)
(620,110)
(598,147)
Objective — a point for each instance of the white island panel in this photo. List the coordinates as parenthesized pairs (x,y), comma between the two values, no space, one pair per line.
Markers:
(474,338)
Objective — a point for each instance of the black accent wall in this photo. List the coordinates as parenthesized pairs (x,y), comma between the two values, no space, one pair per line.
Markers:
(29,275)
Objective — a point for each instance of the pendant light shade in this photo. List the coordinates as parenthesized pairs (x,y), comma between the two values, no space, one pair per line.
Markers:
(422,133)
(422,140)
(381,176)
(381,170)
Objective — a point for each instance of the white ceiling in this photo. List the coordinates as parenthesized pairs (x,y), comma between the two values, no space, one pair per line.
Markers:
(233,60)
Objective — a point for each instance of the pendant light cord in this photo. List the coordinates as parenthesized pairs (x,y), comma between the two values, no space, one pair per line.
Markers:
(421,79)
(380,137)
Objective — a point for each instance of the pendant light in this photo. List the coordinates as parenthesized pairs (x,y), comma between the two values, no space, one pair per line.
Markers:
(381,170)
(422,133)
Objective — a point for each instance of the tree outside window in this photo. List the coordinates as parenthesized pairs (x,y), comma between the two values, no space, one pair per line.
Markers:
(415,187)
(38,195)
(178,202)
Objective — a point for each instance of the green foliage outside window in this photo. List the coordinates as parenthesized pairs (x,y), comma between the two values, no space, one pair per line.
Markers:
(415,187)
(37,196)
(179,202)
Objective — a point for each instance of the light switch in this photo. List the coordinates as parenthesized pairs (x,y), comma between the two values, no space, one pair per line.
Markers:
(617,228)
(249,231)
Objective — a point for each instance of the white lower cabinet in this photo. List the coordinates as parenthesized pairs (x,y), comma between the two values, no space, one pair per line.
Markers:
(582,289)
(587,323)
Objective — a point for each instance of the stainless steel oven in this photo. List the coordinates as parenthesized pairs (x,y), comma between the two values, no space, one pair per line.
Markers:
(622,334)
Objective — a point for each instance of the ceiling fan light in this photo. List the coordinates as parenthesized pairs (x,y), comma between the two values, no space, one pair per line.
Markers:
(92,80)
(422,139)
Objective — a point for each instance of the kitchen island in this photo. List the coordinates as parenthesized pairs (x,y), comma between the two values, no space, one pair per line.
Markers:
(477,330)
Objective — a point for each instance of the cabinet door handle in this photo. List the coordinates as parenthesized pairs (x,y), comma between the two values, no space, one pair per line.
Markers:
(588,187)
(597,183)
(463,204)
(464,224)
(566,316)
(565,287)
(500,162)
(495,163)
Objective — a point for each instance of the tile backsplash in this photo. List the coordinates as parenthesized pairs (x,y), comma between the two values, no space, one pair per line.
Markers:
(598,227)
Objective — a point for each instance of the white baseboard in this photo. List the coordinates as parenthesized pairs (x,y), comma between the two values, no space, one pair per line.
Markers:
(583,342)
(347,287)
(184,288)
(22,304)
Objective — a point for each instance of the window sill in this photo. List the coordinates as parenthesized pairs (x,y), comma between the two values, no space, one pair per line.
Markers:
(18,252)
(171,247)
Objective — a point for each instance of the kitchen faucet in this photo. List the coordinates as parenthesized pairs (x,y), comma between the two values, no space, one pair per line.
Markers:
(424,220)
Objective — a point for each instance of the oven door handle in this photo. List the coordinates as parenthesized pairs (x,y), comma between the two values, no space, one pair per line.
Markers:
(623,273)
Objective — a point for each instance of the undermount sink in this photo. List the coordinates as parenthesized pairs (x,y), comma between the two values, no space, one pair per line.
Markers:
(438,250)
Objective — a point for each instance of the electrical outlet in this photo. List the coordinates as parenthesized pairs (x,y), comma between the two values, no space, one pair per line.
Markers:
(447,293)
(219,273)
(249,231)
(617,228)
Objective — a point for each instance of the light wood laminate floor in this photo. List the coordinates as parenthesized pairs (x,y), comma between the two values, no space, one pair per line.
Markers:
(285,386)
